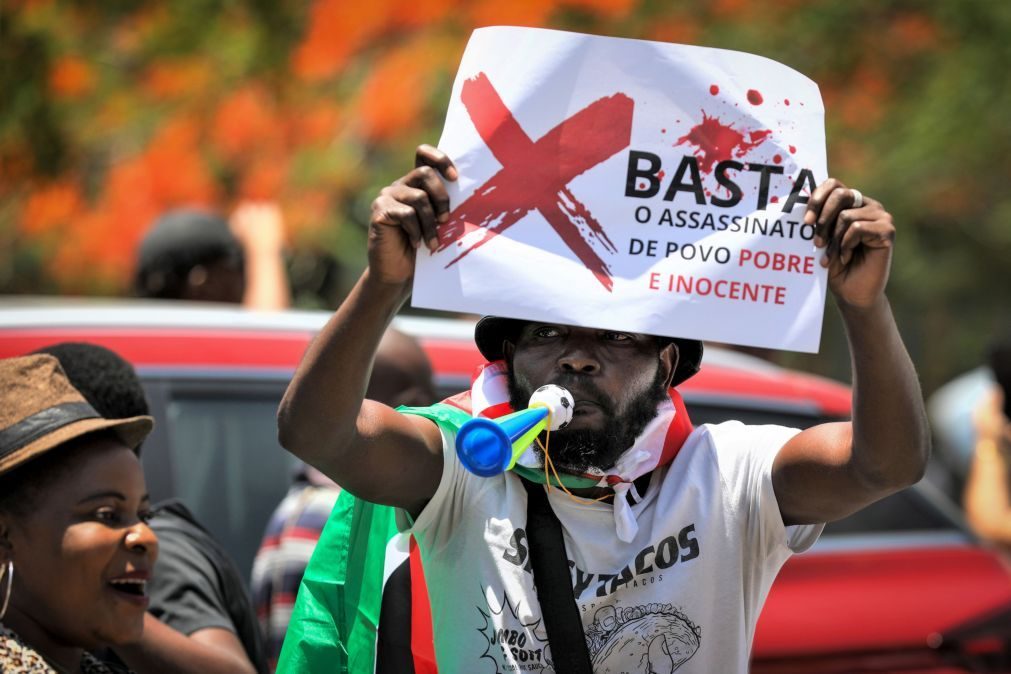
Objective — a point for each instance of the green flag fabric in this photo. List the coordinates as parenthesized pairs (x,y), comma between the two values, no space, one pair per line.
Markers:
(335,622)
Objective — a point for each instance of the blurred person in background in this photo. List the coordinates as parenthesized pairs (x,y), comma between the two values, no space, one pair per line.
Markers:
(988,486)
(402,375)
(76,553)
(200,618)
(197,256)
(951,409)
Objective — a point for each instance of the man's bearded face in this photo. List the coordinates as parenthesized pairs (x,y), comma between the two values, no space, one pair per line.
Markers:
(576,450)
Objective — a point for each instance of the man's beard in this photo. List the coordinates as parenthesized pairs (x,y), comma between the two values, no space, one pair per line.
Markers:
(579,450)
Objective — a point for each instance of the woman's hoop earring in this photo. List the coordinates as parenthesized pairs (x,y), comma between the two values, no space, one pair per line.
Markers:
(8,573)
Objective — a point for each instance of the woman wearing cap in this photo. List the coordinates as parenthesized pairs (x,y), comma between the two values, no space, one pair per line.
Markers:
(75,549)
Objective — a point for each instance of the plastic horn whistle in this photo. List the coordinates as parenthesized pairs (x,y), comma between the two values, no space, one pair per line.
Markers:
(488,447)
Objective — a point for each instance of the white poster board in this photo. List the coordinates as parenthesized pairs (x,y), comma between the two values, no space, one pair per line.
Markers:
(631,185)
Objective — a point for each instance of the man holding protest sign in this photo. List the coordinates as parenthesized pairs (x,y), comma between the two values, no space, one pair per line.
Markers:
(672,535)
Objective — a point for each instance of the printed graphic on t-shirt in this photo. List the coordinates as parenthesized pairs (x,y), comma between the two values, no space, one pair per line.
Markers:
(652,639)
(625,636)
(516,645)
(647,639)
(679,548)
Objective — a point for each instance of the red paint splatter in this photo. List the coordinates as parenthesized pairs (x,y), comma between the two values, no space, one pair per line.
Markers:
(793,150)
(777,159)
(641,186)
(787,101)
(713,89)
(660,174)
(715,141)
(535,174)
(774,200)
(754,97)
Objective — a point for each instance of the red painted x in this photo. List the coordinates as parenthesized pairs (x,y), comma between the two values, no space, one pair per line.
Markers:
(535,175)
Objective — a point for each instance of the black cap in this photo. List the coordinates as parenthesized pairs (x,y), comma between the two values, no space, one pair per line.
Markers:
(178,241)
(491,331)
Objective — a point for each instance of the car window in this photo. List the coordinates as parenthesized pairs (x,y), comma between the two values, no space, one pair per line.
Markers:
(227,465)
(918,509)
(449,386)
(907,510)
(756,414)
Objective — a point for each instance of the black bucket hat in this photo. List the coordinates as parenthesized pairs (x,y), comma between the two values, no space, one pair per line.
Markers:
(491,331)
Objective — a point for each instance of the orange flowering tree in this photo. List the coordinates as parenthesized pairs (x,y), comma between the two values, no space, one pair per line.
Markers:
(114,112)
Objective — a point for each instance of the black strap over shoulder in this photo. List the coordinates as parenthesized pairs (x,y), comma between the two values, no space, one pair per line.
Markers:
(553,582)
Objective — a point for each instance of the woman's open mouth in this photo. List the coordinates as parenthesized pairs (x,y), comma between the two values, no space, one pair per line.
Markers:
(131,589)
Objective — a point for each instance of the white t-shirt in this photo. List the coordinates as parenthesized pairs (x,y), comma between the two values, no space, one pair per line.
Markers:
(684,595)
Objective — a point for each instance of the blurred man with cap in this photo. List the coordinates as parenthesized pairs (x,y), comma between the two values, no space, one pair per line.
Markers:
(195,255)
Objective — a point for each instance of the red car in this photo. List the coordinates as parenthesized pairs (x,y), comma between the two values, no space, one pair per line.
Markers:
(899,587)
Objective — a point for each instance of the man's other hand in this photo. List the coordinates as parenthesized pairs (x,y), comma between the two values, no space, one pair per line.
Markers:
(857,241)
(406,214)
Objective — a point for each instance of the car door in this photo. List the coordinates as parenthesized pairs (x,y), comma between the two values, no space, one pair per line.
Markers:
(216,450)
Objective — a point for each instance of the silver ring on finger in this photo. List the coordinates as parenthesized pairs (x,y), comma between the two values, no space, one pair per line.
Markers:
(858,198)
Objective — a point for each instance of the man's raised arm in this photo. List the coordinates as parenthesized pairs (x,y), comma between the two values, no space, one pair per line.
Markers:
(366,447)
(832,470)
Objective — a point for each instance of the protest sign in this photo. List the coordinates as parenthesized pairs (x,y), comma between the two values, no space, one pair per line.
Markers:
(631,185)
